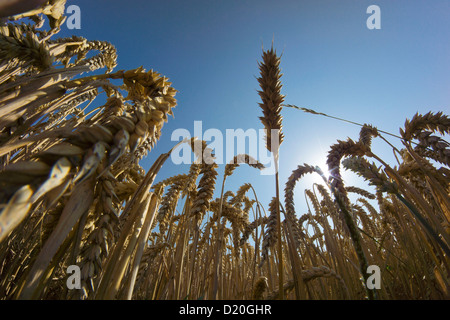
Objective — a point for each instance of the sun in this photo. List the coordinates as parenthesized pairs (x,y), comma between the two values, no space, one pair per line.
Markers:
(322,174)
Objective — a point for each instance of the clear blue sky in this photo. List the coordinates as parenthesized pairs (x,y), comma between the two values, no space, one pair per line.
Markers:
(331,62)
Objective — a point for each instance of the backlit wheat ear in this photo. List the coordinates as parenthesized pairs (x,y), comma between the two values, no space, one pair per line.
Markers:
(16,43)
(417,173)
(318,272)
(205,190)
(296,175)
(270,235)
(169,201)
(228,194)
(206,185)
(101,239)
(271,96)
(336,153)
(430,121)
(251,227)
(260,287)
(370,172)
(191,185)
(360,191)
(240,159)
(106,58)
(309,275)
(240,194)
(440,147)
(366,134)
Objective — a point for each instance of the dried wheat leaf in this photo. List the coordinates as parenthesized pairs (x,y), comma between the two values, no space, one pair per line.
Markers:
(71,214)
(57,175)
(93,159)
(15,210)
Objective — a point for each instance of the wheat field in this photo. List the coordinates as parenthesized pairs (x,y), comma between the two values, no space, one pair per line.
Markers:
(73,192)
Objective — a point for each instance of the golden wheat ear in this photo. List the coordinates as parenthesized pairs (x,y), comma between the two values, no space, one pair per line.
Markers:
(270,93)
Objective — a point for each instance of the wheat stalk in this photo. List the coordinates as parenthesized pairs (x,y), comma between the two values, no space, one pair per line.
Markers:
(271,106)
